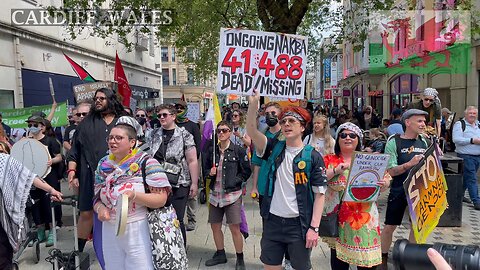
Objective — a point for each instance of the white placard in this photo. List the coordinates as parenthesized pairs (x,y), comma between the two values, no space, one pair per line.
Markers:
(193,112)
(273,64)
(365,173)
(333,72)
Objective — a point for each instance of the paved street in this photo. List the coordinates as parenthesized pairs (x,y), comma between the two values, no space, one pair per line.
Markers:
(201,246)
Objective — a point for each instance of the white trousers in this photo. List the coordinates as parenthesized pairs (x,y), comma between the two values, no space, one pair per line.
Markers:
(129,251)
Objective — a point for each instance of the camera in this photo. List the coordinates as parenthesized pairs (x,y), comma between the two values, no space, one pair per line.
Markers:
(407,256)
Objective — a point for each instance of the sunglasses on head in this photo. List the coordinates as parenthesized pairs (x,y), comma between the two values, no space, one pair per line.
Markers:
(163,115)
(81,114)
(223,130)
(33,125)
(99,98)
(140,115)
(345,135)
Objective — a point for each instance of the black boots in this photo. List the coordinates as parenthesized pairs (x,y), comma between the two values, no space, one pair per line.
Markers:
(240,265)
(218,258)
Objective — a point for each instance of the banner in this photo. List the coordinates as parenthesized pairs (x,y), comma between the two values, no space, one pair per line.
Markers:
(193,112)
(273,64)
(333,74)
(426,189)
(85,92)
(326,70)
(15,118)
(365,173)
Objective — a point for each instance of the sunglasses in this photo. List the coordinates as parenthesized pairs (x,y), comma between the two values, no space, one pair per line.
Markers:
(81,114)
(235,115)
(223,130)
(116,138)
(429,100)
(291,121)
(99,98)
(140,115)
(345,135)
(179,107)
(33,125)
(164,115)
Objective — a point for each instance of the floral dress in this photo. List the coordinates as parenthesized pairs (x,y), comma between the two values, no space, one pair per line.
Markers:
(359,231)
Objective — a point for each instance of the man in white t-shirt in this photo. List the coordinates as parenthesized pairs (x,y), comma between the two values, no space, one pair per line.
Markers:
(294,195)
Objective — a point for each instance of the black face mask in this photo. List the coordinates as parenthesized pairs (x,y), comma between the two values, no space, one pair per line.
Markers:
(271,120)
(141,121)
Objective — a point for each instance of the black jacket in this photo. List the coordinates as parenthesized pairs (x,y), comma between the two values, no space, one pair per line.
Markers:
(235,168)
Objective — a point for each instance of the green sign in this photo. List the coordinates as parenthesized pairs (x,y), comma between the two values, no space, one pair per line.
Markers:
(16,118)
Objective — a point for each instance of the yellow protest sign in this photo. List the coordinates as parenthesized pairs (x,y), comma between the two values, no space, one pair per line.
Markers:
(426,190)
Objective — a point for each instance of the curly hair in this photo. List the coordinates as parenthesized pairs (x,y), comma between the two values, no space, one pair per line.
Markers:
(113,103)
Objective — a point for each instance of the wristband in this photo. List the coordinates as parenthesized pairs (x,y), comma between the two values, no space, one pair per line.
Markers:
(71,170)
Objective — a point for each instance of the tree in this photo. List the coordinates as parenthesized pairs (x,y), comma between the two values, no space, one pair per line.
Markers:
(197,23)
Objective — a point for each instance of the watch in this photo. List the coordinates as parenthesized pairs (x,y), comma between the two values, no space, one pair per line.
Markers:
(315,229)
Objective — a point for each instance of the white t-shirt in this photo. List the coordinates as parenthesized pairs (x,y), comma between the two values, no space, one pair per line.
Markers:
(284,199)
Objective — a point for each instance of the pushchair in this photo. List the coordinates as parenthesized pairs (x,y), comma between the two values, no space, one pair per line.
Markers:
(67,260)
(31,236)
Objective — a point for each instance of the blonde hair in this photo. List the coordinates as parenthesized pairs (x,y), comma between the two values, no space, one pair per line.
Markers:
(325,134)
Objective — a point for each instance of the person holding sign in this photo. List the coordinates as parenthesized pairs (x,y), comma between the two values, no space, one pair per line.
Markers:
(358,241)
(120,173)
(405,152)
(293,200)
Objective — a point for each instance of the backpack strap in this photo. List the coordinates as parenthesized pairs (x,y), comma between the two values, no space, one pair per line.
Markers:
(307,158)
(144,175)
(270,164)
(464,125)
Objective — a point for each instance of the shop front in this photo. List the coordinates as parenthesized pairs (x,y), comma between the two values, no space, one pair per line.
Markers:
(347,96)
(376,100)
(403,90)
(358,95)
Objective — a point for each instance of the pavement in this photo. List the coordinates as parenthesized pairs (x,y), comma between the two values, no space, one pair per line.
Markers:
(200,245)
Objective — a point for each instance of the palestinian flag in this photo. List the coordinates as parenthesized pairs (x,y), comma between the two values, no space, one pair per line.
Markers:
(80,71)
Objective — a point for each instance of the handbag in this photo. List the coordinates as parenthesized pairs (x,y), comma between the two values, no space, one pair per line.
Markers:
(172,171)
(329,223)
(168,250)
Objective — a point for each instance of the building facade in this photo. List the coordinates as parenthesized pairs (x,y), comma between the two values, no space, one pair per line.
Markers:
(391,70)
(32,54)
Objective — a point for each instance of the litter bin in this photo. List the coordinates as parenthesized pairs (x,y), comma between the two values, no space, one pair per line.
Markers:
(452,217)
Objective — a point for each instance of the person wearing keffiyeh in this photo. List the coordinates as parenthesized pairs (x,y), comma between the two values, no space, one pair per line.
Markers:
(430,103)
(15,183)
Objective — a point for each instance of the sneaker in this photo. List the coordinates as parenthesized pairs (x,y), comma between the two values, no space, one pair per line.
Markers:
(288,265)
(50,239)
(476,206)
(218,258)
(190,226)
(466,200)
(240,264)
(41,235)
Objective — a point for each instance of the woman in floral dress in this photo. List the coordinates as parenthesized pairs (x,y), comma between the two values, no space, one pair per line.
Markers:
(359,231)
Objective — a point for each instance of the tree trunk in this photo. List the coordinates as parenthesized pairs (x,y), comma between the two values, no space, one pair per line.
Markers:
(276,16)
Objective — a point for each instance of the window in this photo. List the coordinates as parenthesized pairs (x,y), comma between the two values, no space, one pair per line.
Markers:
(165,77)
(6,99)
(164,54)
(190,76)
(189,55)
(173,54)
(174,76)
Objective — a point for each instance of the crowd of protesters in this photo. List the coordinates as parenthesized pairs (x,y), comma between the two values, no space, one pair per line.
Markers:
(298,158)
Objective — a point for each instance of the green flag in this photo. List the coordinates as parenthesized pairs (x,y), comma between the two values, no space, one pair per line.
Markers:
(16,118)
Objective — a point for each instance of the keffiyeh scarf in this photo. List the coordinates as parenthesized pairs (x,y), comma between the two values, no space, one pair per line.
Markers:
(15,184)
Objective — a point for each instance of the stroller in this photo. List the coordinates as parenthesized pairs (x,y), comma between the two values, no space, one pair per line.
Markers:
(67,260)
(31,236)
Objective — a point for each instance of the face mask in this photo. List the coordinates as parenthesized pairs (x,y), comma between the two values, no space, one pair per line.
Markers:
(141,121)
(271,120)
(34,130)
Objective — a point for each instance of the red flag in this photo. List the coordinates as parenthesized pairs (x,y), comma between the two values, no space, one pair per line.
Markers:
(123,86)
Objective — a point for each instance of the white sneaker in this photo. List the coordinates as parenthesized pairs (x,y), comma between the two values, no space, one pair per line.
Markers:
(287,265)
